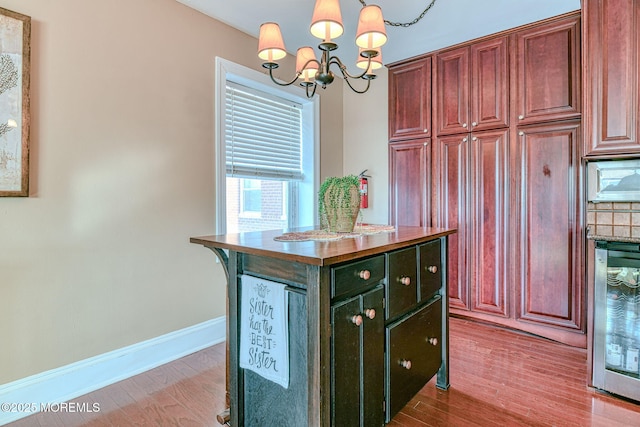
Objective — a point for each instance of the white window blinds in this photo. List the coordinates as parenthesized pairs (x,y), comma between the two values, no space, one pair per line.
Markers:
(263,135)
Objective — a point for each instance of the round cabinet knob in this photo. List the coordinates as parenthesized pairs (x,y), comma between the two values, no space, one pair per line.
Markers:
(406,364)
(365,274)
(433,341)
(426,130)
(432,269)
(521,133)
(521,116)
(405,280)
(474,138)
(357,320)
(464,139)
(370,313)
(474,123)
(464,125)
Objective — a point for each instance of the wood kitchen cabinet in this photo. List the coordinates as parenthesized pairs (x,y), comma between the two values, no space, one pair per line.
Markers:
(547,71)
(548,249)
(612,76)
(410,100)
(472,87)
(450,201)
(498,103)
(410,175)
(472,171)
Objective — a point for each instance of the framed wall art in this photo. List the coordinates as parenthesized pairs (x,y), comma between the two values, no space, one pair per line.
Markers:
(15,39)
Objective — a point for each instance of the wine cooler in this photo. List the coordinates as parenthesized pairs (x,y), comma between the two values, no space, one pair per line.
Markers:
(616,344)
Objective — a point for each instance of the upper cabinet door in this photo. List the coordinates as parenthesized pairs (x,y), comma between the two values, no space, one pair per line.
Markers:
(547,61)
(472,88)
(612,101)
(490,84)
(410,100)
(452,91)
(410,183)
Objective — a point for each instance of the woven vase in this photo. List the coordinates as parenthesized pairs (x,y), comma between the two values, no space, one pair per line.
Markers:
(339,219)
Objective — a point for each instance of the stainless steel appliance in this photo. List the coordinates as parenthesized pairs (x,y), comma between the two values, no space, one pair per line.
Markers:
(616,344)
(613,180)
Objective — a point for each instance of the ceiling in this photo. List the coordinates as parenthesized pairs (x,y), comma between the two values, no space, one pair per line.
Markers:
(447,23)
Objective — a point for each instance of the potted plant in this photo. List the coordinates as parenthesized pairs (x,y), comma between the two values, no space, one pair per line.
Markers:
(339,203)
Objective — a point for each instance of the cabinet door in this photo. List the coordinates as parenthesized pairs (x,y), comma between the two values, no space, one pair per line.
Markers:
(357,365)
(414,354)
(490,84)
(373,359)
(452,92)
(450,210)
(410,183)
(410,100)
(430,266)
(346,362)
(548,72)
(612,43)
(402,286)
(488,222)
(549,251)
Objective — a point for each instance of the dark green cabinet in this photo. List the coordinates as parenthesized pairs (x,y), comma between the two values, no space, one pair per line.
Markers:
(430,269)
(388,332)
(339,334)
(357,343)
(414,348)
(403,281)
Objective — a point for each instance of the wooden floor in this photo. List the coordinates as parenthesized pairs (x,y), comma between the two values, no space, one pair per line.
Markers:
(498,378)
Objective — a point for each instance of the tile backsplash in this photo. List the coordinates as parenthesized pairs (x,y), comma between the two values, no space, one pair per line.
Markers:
(614,219)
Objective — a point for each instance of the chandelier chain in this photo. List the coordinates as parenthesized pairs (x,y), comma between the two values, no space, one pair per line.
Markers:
(405,24)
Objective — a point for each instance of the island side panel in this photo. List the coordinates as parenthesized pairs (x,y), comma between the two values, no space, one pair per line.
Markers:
(236,383)
(319,345)
(267,403)
(442,378)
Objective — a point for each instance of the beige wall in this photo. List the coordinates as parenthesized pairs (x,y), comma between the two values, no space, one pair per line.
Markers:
(366,143)
(122,174)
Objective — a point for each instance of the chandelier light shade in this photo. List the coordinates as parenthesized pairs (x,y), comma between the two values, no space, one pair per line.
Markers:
(326,23)
(270,45)
(306,63)
(374,64)
(371,33)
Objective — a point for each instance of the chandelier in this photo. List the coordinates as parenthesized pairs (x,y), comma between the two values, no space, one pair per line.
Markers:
(326,24)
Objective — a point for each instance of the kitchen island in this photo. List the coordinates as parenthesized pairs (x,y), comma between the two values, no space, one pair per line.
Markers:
(365,325)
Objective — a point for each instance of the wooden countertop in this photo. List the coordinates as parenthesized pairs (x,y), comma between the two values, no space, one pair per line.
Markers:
(321,253)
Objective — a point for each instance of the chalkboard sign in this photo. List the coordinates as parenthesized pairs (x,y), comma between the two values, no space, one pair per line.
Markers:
(264,332)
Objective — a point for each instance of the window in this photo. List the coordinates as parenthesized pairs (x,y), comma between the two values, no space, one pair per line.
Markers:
(266,151)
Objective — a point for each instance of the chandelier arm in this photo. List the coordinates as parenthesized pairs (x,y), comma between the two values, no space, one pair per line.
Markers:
(310,95)
(356,90)
(343,68)
(282,84)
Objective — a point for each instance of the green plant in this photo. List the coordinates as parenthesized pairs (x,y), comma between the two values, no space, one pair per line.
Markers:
(338,200)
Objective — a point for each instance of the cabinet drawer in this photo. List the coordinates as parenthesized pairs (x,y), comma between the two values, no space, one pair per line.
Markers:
(352,278)
(414,354)
(402,292)
(430,269)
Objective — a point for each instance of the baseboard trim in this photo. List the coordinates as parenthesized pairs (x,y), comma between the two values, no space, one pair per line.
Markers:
(82,377)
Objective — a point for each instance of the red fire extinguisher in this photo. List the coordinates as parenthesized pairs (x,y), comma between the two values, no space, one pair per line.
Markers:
(364,189)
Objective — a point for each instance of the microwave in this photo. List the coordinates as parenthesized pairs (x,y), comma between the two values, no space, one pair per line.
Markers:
(613,181)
